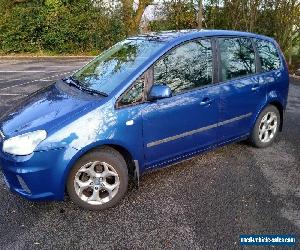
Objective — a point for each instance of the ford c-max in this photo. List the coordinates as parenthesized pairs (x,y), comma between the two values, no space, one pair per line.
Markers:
(147,102)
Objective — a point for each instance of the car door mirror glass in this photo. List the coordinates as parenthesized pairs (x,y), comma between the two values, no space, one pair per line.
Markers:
(159,91)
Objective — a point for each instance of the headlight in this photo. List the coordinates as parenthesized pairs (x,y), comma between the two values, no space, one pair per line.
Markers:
(24,144)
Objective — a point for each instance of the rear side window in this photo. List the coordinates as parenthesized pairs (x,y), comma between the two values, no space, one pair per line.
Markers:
(237,57)
(268,54)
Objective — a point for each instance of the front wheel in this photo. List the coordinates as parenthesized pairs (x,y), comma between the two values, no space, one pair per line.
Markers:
(98,179)
(266,127)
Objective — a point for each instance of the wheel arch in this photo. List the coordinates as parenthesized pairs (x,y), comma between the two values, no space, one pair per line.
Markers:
(278,105)
(127,155)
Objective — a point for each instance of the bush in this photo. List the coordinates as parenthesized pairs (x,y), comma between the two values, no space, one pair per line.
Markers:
(20,30)
(176,15)
(59,27)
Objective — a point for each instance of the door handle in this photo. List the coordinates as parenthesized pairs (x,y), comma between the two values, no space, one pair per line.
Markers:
(206,101)
(255,87)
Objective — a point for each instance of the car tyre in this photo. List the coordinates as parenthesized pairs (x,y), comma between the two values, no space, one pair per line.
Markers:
(98,180)
(266,127)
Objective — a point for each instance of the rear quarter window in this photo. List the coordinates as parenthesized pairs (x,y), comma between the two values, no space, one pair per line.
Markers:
(268,54)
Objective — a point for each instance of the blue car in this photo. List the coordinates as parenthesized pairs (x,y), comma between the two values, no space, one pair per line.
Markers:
(147,102)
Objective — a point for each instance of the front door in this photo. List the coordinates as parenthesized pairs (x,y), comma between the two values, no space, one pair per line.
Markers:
(187,121)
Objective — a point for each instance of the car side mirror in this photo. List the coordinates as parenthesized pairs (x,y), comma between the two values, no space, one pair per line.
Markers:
(159,91)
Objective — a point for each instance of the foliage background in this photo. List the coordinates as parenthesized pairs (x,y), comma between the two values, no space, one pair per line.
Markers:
(90,26)
(58,27)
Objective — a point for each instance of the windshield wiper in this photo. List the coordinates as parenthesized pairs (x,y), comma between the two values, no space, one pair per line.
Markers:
(71,80)
(93,91)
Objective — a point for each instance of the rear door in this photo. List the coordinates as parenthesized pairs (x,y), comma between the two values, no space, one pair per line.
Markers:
(187,121)
(242,90)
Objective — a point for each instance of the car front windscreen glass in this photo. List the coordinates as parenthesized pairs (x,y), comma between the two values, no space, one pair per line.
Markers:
(112,67)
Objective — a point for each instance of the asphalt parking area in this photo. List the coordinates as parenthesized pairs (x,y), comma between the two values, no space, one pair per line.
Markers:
(202,203)
(19,78)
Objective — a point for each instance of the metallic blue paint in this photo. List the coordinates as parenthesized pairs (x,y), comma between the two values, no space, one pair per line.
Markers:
(159,91)
(176,115)
(44,172)
(238,97)
(77,122)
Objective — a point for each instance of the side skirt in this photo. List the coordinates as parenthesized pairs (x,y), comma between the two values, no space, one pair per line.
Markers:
(191,155)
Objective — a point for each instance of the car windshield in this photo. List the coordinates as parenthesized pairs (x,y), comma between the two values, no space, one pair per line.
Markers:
(113,66)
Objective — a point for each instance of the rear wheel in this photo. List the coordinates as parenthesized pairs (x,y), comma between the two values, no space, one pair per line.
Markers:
(266,127)
(98,180)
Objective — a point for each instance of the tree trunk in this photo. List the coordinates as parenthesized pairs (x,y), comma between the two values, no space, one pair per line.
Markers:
(127,12)
(131,17)
(200,14)
(290,52)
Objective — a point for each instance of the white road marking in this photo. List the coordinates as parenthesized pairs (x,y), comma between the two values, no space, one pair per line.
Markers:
(295,76)
(22,78)
(45,80)
(27,71)
(18,79)
(41,71)
(7,94)
(11,80)
(37,80)
(63,66)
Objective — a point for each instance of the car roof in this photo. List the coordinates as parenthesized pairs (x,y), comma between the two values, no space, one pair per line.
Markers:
(179,35)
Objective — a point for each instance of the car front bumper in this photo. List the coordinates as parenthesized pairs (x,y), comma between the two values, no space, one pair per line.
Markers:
(39,176)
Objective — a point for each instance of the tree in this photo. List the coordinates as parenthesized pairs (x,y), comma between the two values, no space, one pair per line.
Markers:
(200,13)
(176,15)
(132,16)
(287,25)
(90,26)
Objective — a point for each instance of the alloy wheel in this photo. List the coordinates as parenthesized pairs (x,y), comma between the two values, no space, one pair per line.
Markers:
(267,127)
(96,183)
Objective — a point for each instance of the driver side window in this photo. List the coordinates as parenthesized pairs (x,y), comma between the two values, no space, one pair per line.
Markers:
(186,67)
